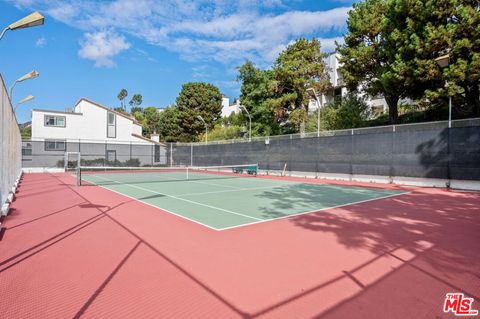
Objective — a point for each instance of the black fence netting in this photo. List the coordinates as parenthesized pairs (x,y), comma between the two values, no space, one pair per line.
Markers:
(431,150)
(51,153)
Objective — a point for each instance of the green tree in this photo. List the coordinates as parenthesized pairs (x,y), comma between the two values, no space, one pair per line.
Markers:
(121,96)
(256,91)
(368,56)
(136,109)
(453,27)
(391,46)
(26,132)
(151,122)
(300,66)
(349,112)
(223,133)
(169,128)
(135,103)
(234,119)
(198,98)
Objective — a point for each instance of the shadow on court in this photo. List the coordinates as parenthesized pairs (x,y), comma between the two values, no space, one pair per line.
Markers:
(95,253)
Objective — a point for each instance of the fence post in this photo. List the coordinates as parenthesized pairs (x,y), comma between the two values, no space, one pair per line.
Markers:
(171,154)
(105,155)
(392,158)
(352,149)
(191,154)
(449,156)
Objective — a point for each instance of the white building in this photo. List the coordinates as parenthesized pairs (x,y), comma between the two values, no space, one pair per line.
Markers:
(377,104)
(101,135)
(228,109)
(87,121)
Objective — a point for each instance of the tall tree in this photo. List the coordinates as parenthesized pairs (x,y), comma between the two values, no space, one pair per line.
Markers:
(169,128)
(300,66)
(135,103)
(256,91)
(198,98)
(151,121)
(368,57)
(391,46)
(121,96)
(453,27)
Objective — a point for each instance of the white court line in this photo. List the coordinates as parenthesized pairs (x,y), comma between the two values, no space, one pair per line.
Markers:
(236,190)
(193,181)
(215,184)
(160,208)
(259,220)
(182,199)
(313,211)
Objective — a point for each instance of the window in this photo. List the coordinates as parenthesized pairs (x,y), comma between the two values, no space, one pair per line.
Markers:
(111,156)
(27,149)
(111,125)
(54,120)
(51,145)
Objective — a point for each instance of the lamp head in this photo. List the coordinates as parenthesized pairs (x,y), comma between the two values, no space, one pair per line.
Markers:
(32,20)
(443,61)
(28,76)
(26,99)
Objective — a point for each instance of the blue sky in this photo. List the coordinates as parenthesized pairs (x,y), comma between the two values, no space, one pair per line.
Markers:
(95,48)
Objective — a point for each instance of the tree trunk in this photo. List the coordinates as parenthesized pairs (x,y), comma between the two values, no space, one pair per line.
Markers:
(392,102)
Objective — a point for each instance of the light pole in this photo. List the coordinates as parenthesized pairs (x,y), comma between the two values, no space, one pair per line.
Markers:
(312,93)
(249,122)
(443,61)
(27,76)
(26,99)
(206,128)
(32,20)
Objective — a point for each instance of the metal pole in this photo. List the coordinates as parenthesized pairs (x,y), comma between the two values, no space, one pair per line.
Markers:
(3,32)
(191,154)
(171,156)
(449,112)
(10,91)
(318,116)
(249,123)
(250,128)
(318,122)
(206,134)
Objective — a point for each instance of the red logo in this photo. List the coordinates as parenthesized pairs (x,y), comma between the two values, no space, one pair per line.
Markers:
(459,305)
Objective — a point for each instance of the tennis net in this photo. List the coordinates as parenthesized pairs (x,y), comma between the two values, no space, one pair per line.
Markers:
(95,175)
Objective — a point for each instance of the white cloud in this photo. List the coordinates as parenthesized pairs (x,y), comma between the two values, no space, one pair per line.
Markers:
(225,31)
(41,42)
(101,47)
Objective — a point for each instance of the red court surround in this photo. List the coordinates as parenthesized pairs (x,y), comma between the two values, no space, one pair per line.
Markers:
(70,251)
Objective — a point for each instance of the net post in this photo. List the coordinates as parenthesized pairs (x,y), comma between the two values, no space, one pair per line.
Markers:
(187,173)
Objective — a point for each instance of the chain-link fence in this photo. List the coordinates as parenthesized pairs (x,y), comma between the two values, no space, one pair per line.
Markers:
(430,150)
(10,147)
(51,153)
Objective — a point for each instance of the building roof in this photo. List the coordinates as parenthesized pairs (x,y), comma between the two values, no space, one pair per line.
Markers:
(109,109)
(147,139)
(55,111)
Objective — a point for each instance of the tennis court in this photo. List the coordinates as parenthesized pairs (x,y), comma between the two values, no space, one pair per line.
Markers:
(224,197)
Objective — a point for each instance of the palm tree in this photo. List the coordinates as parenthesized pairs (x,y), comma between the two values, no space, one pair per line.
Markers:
(121,96)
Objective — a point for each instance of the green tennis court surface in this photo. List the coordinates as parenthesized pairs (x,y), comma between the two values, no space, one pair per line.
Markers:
(222,201)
